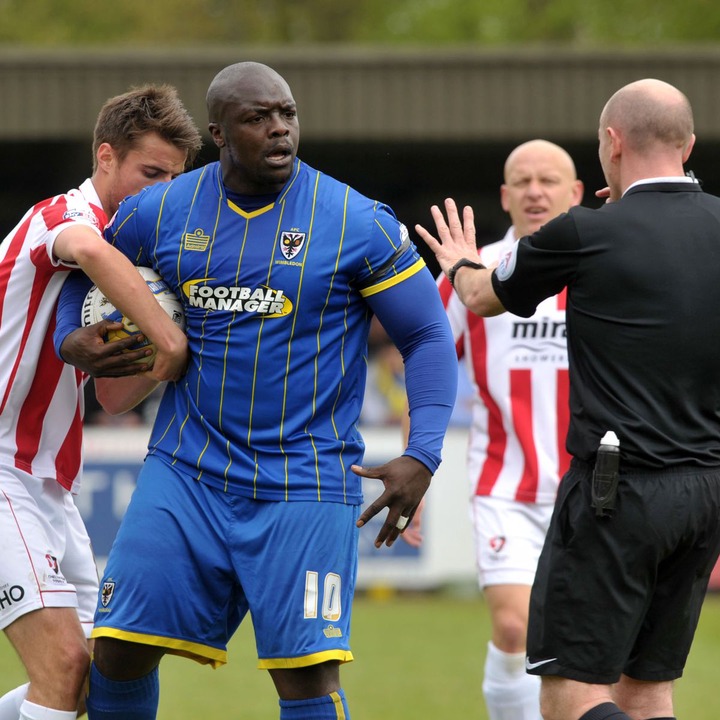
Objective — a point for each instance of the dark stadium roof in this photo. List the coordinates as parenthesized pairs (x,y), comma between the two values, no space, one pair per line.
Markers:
(363,94)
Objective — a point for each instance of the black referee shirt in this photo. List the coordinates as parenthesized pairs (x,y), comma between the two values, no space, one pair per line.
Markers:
(643,319)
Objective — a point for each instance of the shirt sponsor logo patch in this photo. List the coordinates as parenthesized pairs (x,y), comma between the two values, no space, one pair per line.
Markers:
(263,301)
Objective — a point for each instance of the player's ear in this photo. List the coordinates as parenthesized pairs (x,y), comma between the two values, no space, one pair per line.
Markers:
(217,134)
(105,156)
(616,143)
(577,192)
(504,202)
(688,148)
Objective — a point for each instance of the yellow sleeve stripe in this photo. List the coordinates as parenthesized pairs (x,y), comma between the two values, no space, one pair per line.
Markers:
(394,280)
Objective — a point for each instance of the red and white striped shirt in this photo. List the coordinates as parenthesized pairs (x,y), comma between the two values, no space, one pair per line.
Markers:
(519,371)
(41,399)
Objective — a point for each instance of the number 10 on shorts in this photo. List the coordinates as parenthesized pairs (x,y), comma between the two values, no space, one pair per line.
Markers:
(331,606)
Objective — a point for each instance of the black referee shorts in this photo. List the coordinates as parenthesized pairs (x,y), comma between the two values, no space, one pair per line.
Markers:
(622,594)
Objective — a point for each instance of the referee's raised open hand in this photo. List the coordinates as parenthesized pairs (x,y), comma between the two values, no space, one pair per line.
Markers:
(456,238)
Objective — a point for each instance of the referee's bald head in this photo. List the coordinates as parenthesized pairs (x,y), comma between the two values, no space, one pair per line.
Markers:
(650,113)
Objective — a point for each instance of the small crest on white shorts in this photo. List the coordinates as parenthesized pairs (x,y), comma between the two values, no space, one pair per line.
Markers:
(497,543)
(108,589)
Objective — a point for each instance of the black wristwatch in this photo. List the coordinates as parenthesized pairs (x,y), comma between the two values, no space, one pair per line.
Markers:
(462,262)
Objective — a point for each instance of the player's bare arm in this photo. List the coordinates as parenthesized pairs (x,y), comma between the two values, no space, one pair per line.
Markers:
(406,481)
(118,395)
(455,242)
(116,276)
(121,381)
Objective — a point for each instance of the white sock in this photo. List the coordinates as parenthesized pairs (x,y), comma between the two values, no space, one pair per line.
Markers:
(11,701)
(510,693)
(31,711)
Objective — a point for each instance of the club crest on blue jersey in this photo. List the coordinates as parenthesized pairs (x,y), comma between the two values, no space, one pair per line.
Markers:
(108,589)
(291,243)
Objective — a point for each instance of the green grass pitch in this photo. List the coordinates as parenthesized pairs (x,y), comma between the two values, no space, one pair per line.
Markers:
(416,656)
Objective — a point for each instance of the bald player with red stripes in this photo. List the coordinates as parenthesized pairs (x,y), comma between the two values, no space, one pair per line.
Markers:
(516,451)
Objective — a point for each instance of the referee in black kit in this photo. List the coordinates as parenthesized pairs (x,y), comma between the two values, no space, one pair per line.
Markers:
(621,582)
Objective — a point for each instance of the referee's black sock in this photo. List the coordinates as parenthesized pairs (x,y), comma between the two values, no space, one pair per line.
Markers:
(606,711)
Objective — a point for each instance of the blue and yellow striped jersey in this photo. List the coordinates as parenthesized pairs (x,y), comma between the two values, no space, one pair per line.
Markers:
(277,320)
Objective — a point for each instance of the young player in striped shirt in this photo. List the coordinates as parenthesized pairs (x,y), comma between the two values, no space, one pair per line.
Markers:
(48,578)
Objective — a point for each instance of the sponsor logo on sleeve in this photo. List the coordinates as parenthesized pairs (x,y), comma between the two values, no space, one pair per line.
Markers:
(81,215)
(506,266)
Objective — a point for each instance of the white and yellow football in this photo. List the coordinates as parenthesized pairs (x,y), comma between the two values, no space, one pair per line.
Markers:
(97,307)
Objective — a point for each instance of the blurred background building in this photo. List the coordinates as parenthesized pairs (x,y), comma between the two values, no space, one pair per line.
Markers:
(408,127)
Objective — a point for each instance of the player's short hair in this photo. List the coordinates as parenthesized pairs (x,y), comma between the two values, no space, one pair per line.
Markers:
(125,118)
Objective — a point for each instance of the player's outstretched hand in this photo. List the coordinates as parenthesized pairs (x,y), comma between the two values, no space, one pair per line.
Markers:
(406,480)
(455,239)
(86,349)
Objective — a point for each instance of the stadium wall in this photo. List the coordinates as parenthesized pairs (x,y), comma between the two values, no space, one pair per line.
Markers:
(365,93)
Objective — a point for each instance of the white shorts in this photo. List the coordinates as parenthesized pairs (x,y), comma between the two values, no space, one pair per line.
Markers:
(46,559)
(509,536)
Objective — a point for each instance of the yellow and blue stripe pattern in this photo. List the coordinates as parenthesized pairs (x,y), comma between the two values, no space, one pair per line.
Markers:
(278,320)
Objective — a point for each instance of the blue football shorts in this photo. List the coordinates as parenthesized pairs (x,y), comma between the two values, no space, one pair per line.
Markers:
(189,561)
